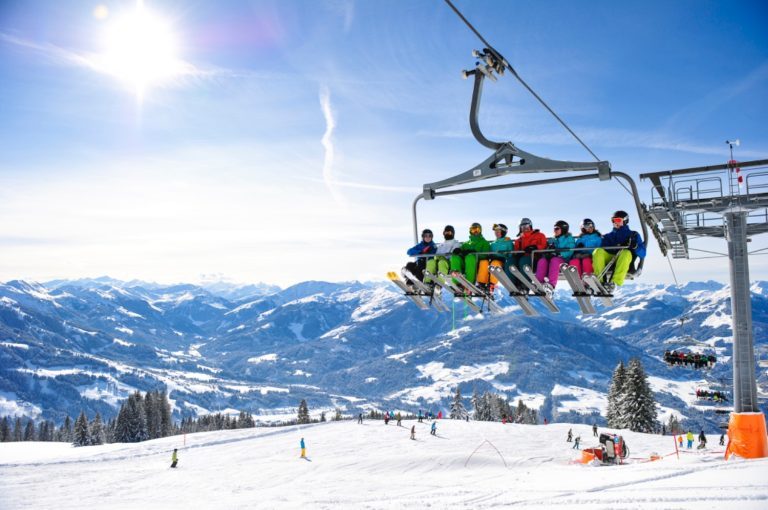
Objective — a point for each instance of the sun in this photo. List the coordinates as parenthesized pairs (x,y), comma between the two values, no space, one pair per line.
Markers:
(140,49)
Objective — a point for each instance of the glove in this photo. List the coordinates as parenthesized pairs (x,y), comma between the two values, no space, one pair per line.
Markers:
(633,242)
(529,249)
(426,249)
(458,251)
(579,245)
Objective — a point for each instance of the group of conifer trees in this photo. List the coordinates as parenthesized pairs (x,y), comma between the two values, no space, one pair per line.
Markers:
(494,407)
(631,404)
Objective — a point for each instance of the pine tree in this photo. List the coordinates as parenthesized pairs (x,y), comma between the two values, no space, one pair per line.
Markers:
(17,432)
(337,416)
(166,418)
(638,406)
(673,425)
(613,413)
(98,435)
(81,432)
(303,416)
(322,416)
(5,430)
(66,430)
(29,431)
(457,407)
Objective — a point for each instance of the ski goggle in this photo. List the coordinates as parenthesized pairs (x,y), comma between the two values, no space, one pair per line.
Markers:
(587,225)
(524,226)
(617,221)
(426,235)
(475,230)
(557,228)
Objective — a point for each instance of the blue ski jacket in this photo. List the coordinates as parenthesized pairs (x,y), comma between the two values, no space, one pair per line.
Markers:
(593,240)
(562,243)
(423,249)
(302,443)
(622,236)
(503,244)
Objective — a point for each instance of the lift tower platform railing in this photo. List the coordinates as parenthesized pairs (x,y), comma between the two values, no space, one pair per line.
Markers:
(731,202)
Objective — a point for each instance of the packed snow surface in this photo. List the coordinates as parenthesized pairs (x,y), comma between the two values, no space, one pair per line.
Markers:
(466,465)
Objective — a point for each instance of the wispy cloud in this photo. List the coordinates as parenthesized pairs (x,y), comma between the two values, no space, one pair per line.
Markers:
(327,141)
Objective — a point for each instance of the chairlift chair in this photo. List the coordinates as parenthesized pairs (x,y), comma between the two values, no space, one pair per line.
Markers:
(508,159)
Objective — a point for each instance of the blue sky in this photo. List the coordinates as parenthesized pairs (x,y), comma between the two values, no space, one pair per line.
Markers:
(293,136)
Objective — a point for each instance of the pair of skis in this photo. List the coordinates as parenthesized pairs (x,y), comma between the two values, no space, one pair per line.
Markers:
(418,291)
(464,289)
(582,293)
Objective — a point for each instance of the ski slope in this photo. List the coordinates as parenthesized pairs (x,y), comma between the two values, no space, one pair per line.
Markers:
(376,466)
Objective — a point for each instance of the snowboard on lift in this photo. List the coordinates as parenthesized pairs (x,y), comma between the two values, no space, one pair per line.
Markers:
(520,296)
(435,296)
(477,292)
(535,286)
(594,283)
(416,297)
(579,291)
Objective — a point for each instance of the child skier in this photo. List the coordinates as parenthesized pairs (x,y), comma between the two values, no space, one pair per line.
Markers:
(503,245)
(303,449)
(433,430)
(174,458)
(549,265)
(689,437)
(413,432)
(623,244)
(589,240)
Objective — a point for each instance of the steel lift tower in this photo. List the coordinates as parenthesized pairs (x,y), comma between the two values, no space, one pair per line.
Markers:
(729,202)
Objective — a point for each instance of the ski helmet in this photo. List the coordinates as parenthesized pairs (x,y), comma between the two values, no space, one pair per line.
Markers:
(501,227)
(563,226)
(476,226)
(621,214)
(526,221)
(586,222)
(425,232)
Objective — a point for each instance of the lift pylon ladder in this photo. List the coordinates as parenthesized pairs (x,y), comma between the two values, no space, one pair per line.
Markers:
(710,202)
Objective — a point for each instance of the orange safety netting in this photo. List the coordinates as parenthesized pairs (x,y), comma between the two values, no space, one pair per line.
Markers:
(747,436)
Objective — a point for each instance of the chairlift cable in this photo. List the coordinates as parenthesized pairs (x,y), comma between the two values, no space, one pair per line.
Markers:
(673,270)
(520,79)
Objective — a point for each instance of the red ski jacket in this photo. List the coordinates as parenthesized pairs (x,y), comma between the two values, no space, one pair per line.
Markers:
(532,238)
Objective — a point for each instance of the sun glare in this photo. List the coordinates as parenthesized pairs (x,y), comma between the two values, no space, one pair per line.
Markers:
(140,49)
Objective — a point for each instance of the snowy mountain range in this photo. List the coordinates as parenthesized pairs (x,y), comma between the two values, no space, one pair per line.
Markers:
(67,346)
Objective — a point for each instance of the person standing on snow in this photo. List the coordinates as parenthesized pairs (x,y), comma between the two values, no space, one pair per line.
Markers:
(399,419)
(689,437)
(528,240)
(722,439)
(594,429)
(576,443)
(174,458)
(426,247)
(440,262)
(570,436)
(548,266)
(622,244)
(420,417)
(702,439)
(413,432)
(303,449)
(360,418)
(433,430)
(589,240)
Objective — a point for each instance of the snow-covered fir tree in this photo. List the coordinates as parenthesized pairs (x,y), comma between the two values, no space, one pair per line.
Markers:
(98,434)
(303,416)
(5,430)
(457,407)
(638,407)
(337,415)
(29,431)
(613,413)
(673,425)
(81,432)
(18,434)
(322,416)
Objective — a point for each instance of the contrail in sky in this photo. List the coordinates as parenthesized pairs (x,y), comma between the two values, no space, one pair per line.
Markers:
(327,141)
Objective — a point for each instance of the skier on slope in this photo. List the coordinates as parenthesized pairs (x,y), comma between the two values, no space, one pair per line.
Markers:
(622,244)
(425,247)
(576,443)
(174,458)
(440,262)
(570,436)
(502,246)
(548,266)
(588,240)
(433,430)
(464,258)
(413,432)
(594,429)
(303,449)
(702,440)
(527,241)
(689,438)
